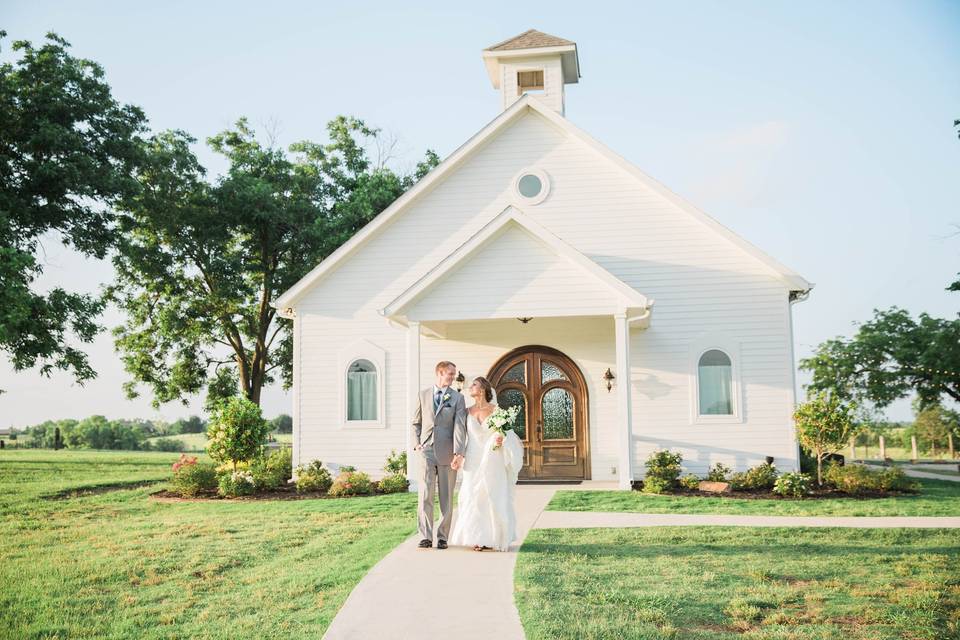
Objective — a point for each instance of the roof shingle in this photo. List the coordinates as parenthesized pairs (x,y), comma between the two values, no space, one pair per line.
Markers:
(530,39)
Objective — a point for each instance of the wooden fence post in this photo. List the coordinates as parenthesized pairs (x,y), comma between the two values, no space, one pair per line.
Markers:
(853,449)
(950,444)
(883,449)
(913,448)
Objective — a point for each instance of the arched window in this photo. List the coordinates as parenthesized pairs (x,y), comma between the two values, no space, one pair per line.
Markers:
(362,390)
(715,384)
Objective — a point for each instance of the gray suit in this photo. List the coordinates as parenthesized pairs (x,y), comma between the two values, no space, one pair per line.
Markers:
(442,435)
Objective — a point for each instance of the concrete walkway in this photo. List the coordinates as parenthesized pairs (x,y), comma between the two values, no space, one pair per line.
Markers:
(584,519)
(427,593)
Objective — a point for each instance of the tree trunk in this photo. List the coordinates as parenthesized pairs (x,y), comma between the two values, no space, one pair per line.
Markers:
(819,469)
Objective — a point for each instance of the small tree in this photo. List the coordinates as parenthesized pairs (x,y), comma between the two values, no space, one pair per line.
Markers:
(236,432)
(932,425)
(824,426)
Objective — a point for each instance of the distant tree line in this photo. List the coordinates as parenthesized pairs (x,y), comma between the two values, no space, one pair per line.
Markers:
(98,432)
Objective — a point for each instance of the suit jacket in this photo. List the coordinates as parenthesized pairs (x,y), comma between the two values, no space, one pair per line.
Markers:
(444,434)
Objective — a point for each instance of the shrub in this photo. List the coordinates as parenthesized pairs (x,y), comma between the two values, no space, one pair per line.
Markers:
(894,479)
(663,469)
(191,478)
(347,468)
(758,478)
(231,484)
(313,477)
(793,484)
(690,481)
(394,483)
(857,479)
(163,444)
(236,432)
(273,471)
(351,483)
(396,463)
(719,473)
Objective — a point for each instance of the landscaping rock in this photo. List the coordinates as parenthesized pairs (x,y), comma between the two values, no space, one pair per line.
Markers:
(715,487)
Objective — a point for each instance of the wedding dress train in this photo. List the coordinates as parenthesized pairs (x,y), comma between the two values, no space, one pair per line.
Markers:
(485,506)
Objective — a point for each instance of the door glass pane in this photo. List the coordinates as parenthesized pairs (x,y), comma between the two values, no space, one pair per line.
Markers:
(557,414)
(550,371)
(516,373)
(515,398)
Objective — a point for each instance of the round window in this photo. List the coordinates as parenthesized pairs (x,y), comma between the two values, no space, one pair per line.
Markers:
(530,186)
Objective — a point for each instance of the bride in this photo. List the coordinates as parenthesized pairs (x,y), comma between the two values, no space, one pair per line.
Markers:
(486,517)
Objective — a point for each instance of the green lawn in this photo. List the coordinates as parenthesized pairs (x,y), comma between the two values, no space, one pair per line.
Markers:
(198,441)
(118,565)
(936,498)
(722,583)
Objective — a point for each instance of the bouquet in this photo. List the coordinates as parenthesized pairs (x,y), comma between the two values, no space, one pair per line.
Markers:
(501,421)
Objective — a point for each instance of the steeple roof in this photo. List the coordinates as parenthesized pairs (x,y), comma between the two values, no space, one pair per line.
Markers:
(530,39)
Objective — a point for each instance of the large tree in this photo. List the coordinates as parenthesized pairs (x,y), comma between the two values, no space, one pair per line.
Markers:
(201,262)
(67,153)
(890,357)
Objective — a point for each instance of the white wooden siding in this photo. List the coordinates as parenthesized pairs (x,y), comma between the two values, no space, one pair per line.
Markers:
(514,275)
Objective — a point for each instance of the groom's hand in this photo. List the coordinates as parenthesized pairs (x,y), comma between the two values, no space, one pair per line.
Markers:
(457,462)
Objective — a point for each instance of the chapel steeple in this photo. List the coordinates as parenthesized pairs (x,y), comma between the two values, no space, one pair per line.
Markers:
(533,62)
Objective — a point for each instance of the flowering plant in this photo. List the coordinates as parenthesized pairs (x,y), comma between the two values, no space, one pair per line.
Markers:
(501,421)
(184,461)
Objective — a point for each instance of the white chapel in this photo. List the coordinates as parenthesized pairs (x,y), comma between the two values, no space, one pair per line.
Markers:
(618,316)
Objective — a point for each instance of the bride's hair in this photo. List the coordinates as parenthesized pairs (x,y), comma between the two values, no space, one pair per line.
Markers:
(487,387)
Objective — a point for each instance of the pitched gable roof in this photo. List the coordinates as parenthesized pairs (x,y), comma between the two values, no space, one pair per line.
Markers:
(625,296)
(530,39)
(526,103)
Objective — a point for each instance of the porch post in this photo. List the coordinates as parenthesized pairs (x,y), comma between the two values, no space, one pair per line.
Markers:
(413,388)
(624,411)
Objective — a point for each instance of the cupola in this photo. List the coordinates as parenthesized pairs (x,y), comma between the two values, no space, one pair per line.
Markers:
(533,62)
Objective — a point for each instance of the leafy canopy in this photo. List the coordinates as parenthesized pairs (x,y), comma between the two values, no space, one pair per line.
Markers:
(201,262)
(68,151)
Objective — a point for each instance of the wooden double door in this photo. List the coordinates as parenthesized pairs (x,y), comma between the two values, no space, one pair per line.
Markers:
(552,396)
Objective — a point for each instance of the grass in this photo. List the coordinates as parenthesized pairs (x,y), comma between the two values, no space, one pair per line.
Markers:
(110,563)
(722,583)
(936,498)
(198,441)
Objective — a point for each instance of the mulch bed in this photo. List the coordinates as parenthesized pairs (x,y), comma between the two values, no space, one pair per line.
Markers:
(278,494)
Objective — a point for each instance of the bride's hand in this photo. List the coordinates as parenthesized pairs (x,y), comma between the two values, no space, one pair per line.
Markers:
(499,440)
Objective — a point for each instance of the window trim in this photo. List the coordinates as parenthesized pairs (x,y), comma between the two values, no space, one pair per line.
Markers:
(521,199)
(731,349)
(361,350)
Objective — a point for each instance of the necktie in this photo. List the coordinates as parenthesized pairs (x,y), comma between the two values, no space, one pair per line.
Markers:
(436,400)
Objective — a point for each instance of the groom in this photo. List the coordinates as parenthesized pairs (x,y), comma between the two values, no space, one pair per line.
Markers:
(440,435)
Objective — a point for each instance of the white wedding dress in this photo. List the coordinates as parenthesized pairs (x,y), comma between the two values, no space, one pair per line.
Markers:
(485,506)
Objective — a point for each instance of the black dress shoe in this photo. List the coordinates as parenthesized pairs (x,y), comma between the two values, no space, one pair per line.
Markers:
(425,544)
(441,544)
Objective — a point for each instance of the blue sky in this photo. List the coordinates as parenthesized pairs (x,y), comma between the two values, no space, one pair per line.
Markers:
(820,131)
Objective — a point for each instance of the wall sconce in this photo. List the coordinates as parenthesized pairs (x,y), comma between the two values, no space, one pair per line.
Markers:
(460,380)
(609,377)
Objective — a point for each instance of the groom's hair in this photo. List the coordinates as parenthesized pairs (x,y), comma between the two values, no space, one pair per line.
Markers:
(487,387)
(444,364)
